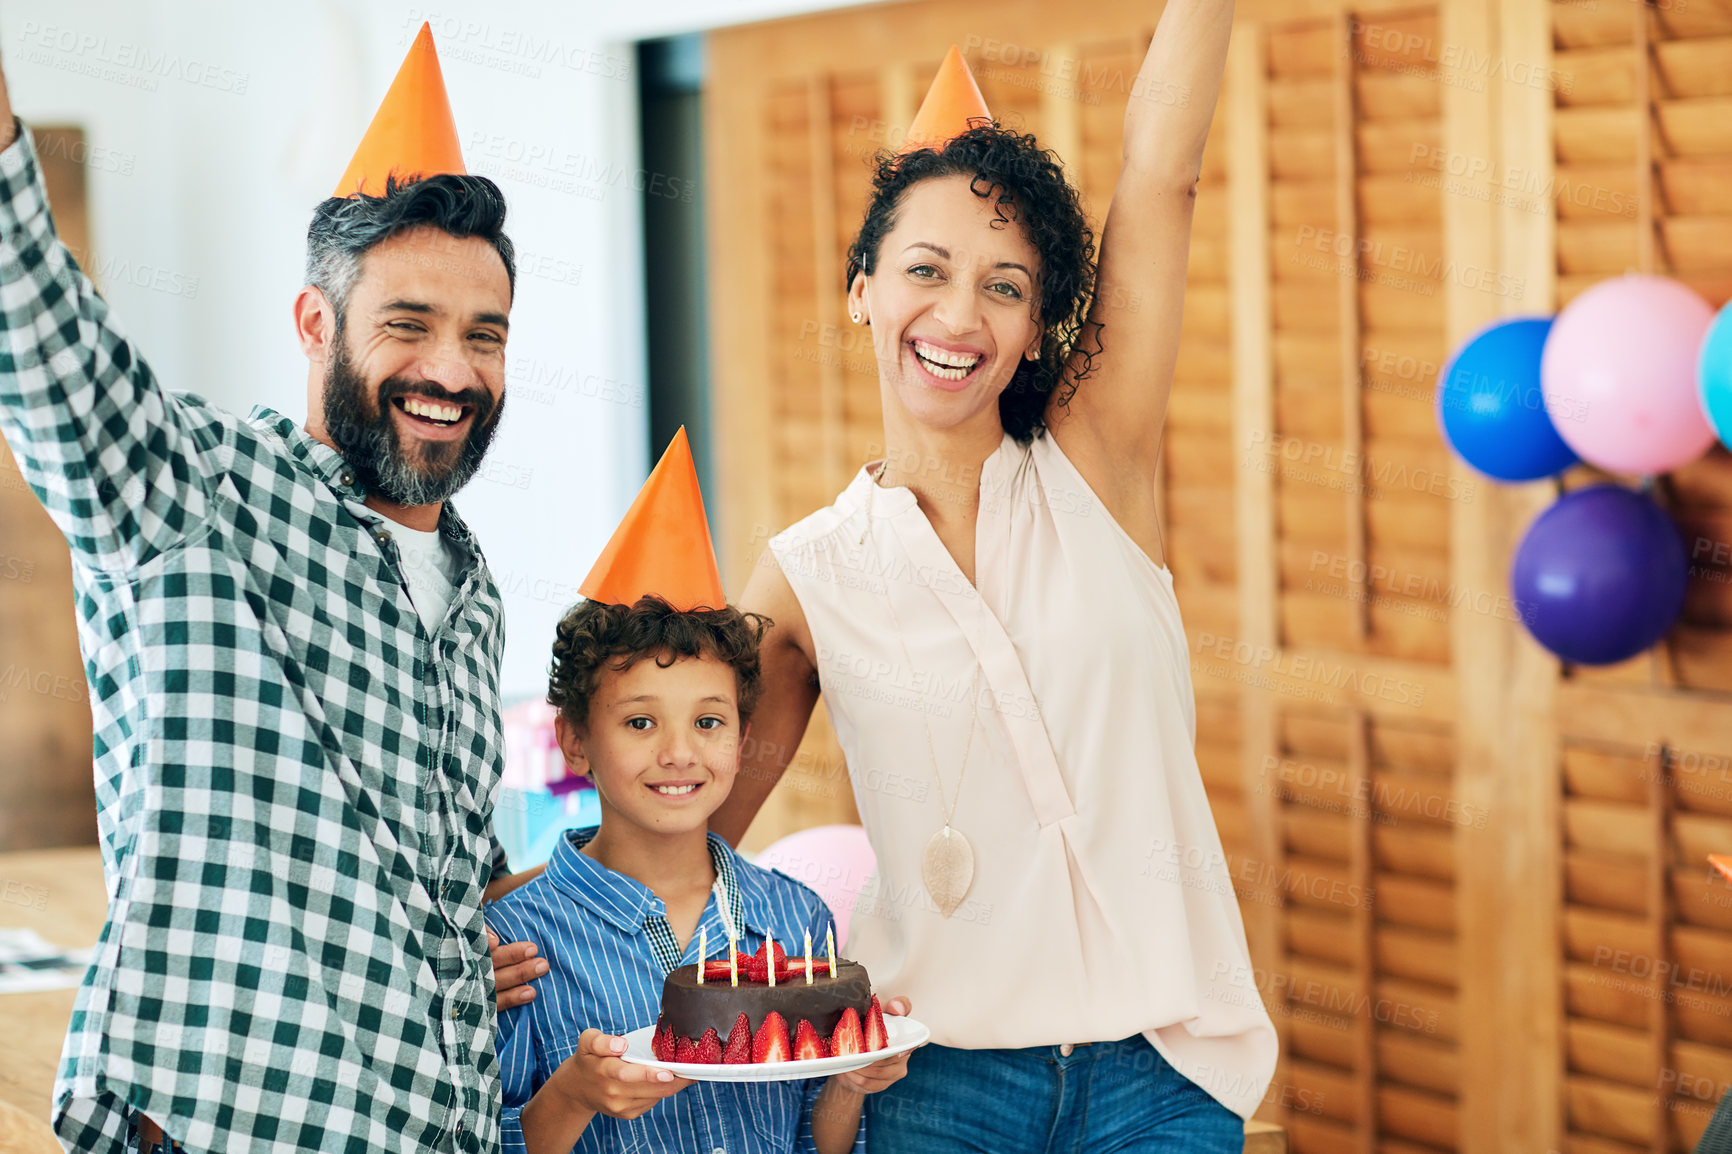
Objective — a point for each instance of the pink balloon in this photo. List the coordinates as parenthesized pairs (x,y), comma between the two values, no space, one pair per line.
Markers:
(835,860)
(1619,375)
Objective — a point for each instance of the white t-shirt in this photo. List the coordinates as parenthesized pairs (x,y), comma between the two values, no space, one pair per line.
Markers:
(430,568)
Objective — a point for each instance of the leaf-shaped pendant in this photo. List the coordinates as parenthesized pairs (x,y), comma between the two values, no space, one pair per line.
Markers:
(947,869)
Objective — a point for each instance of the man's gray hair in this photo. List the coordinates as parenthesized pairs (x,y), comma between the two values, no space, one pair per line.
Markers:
(344,228)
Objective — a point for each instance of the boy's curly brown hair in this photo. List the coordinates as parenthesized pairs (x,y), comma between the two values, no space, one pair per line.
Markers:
(594,635)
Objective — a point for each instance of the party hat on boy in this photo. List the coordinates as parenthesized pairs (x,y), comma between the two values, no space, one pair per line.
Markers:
(412,134)
(663,546)
(953,101)
(1723,863)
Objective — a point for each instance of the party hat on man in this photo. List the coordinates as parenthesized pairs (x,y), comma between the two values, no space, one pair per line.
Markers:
(953,101)
(663,545)
(412,134)
(1723,863)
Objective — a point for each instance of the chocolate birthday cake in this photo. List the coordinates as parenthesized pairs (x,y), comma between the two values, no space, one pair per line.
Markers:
(719,1021)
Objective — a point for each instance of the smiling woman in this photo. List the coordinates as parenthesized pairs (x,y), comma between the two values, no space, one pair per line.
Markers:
(987,605)
(1011,202)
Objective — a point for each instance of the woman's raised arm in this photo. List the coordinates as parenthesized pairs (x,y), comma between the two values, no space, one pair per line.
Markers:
(1112,428)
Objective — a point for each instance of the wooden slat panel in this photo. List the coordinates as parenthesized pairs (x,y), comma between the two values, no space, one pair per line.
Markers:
(1618,1053)
(1415,902)
(1417,1115)
(1602,1107)
(1414,1060)
(1696,127)
(1417,955)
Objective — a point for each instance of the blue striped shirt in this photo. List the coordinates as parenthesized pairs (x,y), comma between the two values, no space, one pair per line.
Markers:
(608,947)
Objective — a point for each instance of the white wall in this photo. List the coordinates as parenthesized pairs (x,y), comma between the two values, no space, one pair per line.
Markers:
(215,126)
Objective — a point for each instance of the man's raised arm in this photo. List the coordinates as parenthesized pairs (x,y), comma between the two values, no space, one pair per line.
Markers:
(114,459)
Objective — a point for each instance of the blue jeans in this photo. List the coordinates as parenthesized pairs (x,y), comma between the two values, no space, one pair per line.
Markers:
(1104,1097)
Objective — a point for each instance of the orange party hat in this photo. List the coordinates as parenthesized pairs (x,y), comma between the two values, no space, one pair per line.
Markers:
(953,101)
(1723,863)
(412,134)
(663,545)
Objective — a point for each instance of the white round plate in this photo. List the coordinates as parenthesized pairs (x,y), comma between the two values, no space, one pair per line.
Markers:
(904,1034)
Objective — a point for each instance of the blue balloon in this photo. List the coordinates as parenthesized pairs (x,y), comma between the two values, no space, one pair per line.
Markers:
(1491,408)
(1600,576)
(1714,375)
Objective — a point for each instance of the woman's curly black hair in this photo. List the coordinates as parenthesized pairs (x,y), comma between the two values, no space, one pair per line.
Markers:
(1030,189)
(594,635)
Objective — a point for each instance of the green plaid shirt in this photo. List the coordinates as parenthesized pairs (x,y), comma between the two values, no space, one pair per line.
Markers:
(294,779)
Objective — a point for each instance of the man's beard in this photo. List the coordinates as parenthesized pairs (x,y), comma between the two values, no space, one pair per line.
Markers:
(369,440)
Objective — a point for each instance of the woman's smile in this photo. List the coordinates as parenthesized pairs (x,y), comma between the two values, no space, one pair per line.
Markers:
(946,368)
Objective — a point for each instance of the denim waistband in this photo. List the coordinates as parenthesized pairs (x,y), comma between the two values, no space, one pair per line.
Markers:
(1073,1052)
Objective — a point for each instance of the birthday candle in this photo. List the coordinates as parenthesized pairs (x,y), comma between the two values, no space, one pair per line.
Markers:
(733,962)
(703,952)
(770,952)
(830,948)
(808,957)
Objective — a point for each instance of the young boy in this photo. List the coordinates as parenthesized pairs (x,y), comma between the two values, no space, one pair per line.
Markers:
(653,703)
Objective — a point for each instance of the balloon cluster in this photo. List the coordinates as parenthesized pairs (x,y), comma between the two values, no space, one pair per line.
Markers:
(1634,376)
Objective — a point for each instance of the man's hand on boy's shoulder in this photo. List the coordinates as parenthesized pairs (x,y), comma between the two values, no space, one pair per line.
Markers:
(883,1074)
(514,967)
(595,1078)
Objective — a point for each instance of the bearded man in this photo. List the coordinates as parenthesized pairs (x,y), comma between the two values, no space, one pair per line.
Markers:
(293,645)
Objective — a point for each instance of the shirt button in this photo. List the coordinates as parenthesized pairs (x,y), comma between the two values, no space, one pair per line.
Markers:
(454,1010)
(383,537)
(348,478)
(718,1150)
(1066,1049)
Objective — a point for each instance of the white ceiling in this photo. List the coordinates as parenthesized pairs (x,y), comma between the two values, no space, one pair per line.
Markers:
(612,20)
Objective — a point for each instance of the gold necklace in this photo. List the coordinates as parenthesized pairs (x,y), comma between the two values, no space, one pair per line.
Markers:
(947,866)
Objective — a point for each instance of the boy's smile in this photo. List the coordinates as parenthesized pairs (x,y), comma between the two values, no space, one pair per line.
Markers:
(677,789)
(661,745)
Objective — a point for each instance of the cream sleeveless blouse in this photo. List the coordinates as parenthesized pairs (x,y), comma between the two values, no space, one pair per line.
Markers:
(1101,905)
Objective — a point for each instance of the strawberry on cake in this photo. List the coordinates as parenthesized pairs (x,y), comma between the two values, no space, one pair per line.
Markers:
(833,1015)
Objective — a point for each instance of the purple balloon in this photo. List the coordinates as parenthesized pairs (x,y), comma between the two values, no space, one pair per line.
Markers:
(1600,576)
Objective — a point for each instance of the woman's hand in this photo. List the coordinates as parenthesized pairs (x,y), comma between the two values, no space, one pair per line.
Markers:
(886,1072)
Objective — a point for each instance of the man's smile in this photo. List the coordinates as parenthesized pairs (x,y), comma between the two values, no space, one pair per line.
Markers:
(434,420)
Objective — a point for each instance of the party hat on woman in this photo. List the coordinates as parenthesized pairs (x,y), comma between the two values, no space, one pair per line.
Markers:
(952,106)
